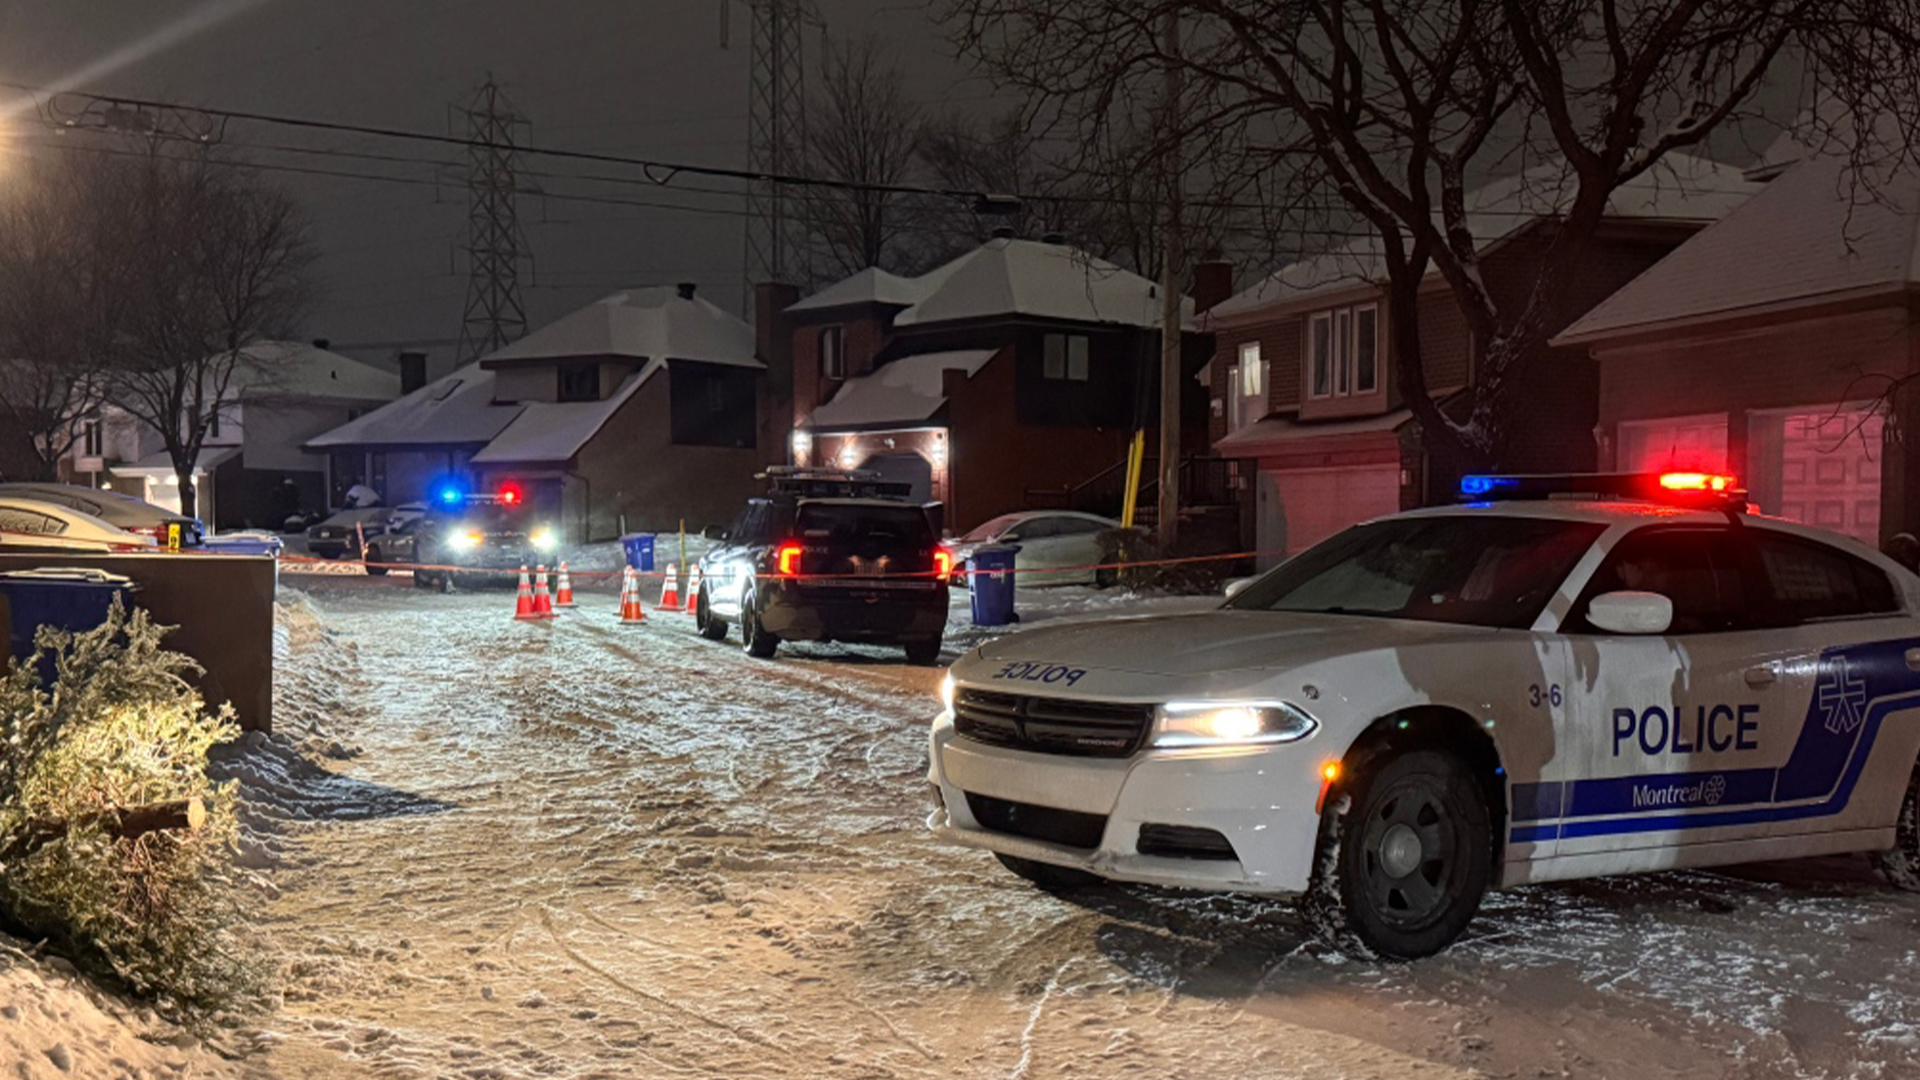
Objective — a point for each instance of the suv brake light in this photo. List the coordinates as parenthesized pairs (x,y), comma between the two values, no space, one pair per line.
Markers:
(787,558)
(942,562)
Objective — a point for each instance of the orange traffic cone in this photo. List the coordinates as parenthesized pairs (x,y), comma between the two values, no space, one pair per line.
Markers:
(630,609)
(523,605)
(542,599)
(563,594)
(693,590)
(670,590)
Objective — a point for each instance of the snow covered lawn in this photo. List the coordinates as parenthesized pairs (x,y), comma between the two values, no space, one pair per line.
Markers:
(592,850)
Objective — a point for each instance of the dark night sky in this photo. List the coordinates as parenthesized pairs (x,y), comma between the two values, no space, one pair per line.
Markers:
(645,78)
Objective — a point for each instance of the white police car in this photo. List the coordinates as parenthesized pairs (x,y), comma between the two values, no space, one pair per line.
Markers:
(1573,676)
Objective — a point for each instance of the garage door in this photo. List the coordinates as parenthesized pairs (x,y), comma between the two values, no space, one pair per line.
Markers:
(1677,442)
(1316,503)
(905,469)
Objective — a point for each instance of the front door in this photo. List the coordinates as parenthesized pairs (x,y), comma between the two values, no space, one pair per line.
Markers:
(1677,737)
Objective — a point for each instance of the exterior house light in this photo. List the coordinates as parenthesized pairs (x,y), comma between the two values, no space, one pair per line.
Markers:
(802,443)
(849,454)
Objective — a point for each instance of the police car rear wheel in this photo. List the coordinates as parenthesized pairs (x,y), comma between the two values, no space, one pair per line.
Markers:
(1901,866)
(711,628)
(1413,857)
(759,644)
(1047,875)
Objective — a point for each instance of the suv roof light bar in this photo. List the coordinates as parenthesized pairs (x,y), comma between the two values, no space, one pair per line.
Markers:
(1694,489)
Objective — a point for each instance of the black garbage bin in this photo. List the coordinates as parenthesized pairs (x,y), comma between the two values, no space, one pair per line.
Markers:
(71,598)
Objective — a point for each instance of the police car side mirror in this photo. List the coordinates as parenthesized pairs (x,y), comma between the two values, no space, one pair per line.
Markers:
(1235,586)
(1628,612)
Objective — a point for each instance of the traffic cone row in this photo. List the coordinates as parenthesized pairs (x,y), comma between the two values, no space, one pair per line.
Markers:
(630,609)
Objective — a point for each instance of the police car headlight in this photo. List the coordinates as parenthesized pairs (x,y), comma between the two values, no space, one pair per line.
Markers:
(946,692)
(466,541)
(1230,723)
(544,539)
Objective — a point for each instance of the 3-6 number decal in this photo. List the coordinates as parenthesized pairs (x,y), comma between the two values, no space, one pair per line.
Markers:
(1551,695)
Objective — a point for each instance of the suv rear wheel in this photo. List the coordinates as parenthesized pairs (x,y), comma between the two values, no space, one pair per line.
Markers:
(711,626)
(759,644)
(923,653)
(1405,857)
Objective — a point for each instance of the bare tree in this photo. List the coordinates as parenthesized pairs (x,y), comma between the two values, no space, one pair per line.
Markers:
(54,314)
(217,263)
(864,131)
(1383,112)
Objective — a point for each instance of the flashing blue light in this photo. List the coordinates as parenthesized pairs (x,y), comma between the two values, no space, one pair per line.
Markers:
(449,495)
(1477,485)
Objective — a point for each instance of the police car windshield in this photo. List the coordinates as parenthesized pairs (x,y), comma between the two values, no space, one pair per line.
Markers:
(1478,570)
(491,517)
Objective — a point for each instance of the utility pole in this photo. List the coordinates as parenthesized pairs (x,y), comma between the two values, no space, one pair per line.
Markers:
(494,315)
(1171,257)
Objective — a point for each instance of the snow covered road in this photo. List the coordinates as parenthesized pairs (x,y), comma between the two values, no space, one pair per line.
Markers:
(592,850)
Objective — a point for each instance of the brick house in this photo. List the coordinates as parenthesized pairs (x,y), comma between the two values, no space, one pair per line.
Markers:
(642,409)
(1302,386)
(1765,346)
(994,383)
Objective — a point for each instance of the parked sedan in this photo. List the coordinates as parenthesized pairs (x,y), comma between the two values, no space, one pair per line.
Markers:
(32,524)
(120,511)
(339,536)
(1057,547)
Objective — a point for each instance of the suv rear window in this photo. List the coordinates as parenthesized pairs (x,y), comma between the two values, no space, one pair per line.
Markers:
(840,522)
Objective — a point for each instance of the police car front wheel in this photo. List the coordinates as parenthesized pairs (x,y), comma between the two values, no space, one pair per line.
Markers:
(1411,856)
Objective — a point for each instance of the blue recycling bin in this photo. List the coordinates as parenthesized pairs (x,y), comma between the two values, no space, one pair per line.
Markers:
(639,548)
(71,598)
(992,585)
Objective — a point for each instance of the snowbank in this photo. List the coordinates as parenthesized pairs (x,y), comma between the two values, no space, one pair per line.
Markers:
(54,1023)
(1063,603)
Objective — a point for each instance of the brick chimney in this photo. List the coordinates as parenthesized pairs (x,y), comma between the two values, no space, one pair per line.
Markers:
(773,344)
(1212,282)
(413,371)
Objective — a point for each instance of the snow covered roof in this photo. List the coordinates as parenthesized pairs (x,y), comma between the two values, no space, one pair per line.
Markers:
(904,391)
(160,466)
(1680,188)
(548,431)
(455,409)
(297,369)
(1814,234)
(650,324)
(870,286)
(1027,277)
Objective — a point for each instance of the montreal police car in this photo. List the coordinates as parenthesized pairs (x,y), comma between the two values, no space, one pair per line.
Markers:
(1568,677)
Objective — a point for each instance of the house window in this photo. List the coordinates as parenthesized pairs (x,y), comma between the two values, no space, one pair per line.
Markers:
(1343,352)
(92,443)
(1064,357)
(833,355)
(1249,387)
(579,382)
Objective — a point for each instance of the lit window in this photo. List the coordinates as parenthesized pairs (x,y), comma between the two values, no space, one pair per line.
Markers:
(1248,385)
(833,357)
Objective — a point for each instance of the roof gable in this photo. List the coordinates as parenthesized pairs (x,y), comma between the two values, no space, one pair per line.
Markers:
(1819,231)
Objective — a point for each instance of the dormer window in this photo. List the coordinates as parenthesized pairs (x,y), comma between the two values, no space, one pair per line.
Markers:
(1064,356)
(579,382)
(1343,352)
(833,356)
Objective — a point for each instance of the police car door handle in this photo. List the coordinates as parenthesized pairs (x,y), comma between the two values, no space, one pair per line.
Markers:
(1913,659)
(1760,675)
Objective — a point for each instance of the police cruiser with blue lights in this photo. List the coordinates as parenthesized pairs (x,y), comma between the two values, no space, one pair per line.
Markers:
(1563,677)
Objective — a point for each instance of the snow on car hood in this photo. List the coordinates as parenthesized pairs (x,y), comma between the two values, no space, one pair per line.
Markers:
(1214,641)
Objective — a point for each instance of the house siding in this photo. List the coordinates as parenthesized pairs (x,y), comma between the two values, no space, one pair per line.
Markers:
(632,468)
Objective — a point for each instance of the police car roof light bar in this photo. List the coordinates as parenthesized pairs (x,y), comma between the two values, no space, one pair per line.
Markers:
(1704,490)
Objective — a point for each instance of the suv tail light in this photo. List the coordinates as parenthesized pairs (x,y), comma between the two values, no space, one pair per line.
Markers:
(942,563)
(787,558)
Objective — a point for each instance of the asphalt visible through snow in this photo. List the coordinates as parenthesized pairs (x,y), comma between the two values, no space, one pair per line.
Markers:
(582,849)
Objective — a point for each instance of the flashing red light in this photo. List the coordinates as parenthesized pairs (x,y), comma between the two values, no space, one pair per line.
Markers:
(509,495)
(787,558)
(942,562)
(1693,481)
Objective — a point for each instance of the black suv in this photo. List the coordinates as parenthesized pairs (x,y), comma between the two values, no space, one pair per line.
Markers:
(828,556)
(490,538)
